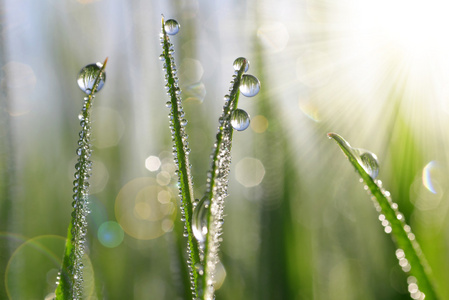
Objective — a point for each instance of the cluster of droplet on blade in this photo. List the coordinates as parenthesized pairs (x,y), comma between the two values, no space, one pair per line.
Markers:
(87,78)
(208,213)
(177,119)
(249,87)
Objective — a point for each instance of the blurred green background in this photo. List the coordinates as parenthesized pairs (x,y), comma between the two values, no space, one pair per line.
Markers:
(298,224)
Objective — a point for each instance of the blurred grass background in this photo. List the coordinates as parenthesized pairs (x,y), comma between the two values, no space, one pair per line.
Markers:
(298,224)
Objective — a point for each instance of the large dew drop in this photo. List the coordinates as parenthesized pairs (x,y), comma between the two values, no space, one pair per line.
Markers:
(249,86)
(88,75)
(240,119)
(369,162)
(239,62)
(199,220)
(171,27)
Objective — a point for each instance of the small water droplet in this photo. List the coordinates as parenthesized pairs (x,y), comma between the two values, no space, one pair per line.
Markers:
(199,220)
(369,162)
(171,27)
(240,119)
(239,62)
(249,85)
(87,76)
(199,268)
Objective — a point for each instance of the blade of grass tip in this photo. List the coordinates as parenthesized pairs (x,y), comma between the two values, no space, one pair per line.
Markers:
(70,280)
(408,251)
(212,204)
(180,147)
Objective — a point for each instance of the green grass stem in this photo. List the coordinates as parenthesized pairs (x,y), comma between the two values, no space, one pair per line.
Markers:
(180,151)
(401,232)
(216,191)
(71,275)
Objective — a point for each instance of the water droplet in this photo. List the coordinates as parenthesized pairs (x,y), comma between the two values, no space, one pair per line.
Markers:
(171,27)
(239,119)
(199,268)
(199,220)
(87,76)
(249,85)
(239,62)
(369,162)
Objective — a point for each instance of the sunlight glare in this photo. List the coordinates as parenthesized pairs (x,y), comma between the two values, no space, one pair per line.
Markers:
(415,26)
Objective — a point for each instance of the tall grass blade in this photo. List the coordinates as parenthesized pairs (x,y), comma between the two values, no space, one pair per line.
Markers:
(180,147)
(70,280)
(408,251)
(217,186)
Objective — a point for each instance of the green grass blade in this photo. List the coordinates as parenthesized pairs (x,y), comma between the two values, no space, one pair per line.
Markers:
(71,275)
(407,246)
(217,186)
(180,151)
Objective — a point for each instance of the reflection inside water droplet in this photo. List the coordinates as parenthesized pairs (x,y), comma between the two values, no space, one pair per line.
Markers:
(240,119)
(88,75)
(171,27)
(369,162)
(199,220)
(249,86)
(239,62)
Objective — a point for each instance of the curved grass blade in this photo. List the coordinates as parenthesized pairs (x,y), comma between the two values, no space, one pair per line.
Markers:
(217,186)
(70,281)
(408,251)
(180,148)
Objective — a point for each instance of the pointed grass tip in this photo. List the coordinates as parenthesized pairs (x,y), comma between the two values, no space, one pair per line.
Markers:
(105,62)
(331,135)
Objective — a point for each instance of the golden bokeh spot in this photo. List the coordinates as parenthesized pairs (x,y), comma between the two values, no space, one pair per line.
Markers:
(140,212)
(259,124)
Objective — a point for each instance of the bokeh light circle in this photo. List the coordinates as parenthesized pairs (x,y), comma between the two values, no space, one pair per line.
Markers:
(110,234)
(145,209)
(32,269)
(249,172)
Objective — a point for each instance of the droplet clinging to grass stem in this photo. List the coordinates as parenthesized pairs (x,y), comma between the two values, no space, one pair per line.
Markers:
(408,251)
(70,285)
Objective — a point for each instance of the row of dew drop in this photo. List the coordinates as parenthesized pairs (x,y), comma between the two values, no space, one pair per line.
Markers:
(370,164)
(179,137)
(87,82)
